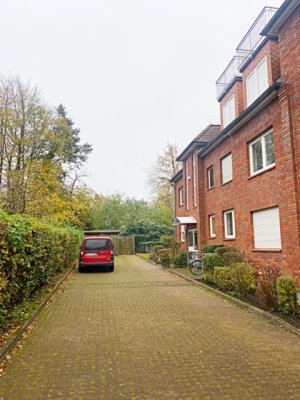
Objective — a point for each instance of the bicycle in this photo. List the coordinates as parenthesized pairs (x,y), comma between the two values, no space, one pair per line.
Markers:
(196,263)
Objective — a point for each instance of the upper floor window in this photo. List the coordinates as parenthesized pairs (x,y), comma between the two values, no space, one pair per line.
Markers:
(210,177)
(226,164)
(262,153)
(181,197)
(257,82)
(229,224)
(229,111)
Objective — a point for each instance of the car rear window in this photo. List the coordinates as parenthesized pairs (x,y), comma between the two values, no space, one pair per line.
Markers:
(97,244)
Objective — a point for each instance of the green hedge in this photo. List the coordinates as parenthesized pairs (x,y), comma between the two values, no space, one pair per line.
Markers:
(30,253)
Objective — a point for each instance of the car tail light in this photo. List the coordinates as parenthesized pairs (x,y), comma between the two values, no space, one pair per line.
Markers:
(111,252)
(81,253)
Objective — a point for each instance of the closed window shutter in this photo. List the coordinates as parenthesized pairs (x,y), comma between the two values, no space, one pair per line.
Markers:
(227,169)
(266,224)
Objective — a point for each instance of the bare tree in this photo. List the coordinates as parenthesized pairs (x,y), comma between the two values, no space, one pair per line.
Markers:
(161,173)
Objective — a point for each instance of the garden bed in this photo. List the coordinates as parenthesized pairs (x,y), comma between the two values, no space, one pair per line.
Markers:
(251,299)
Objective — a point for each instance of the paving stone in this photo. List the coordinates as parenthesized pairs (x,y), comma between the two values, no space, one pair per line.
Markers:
(142,333)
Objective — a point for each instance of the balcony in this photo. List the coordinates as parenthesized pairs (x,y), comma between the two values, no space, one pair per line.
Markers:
(230,74)
(244,51)
(253,38)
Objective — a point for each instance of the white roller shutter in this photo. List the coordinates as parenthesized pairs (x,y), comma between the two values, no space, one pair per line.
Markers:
(266,225)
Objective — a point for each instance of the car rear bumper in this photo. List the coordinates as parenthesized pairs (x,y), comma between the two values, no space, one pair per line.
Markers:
(102,264)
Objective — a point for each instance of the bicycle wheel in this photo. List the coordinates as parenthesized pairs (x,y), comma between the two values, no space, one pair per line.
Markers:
(196,267)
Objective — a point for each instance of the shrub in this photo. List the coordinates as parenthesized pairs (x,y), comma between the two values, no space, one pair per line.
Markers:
(157,247)
(242,279)
(180,260)
(161,252)
(154,257)
(211,261)
(211,248)
(287,294)
(232,257)
(225,249)
(266,286)
(166,260)
(222,278)
(169,242)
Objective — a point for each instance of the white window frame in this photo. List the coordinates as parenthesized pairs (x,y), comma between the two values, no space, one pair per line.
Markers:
(264,154)
(181,197)
(212,226)
(227,175)
(210,182)
(266,229)
(229,112)
(226,234)
(256,82)
(182,233)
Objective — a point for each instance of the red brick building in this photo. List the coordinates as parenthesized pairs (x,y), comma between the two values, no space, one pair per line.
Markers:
(240,181)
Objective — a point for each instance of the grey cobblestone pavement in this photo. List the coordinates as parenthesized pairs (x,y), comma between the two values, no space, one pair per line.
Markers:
(142,333)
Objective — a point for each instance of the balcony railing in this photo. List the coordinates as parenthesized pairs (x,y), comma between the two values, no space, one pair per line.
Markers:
(253,38)
(244,51)
(230,73)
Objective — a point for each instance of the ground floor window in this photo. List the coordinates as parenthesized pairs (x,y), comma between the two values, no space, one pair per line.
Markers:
(229,224)
(182,233)
(266,229)
(212,226)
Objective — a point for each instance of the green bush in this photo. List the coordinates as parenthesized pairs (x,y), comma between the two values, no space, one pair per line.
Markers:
(222,278)
(232,257)
(239,279)
(166,260)
(242,278)
(287,294)
(212,260)
(180,260)
(225,249)
(211,248)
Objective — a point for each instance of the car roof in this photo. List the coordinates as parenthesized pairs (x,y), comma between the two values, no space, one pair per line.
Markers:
(96,237)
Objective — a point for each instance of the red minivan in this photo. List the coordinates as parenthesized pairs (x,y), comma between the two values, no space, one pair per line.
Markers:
(95,252)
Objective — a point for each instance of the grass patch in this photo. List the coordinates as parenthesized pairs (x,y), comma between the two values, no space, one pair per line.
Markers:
(145,256)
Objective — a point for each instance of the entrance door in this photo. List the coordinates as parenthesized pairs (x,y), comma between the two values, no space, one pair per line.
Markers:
(193,240)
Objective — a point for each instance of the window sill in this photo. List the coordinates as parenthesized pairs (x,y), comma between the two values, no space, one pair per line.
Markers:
(210,188)
(262,172)
(267,250)
(212,237)
(229,239)
(226,183)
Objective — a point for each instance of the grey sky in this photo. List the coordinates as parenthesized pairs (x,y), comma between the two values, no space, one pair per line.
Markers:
(134,75)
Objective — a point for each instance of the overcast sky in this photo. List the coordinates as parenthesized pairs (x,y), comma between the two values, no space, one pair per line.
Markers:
(133,75)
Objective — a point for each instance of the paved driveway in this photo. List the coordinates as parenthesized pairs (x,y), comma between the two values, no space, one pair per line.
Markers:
(142,333)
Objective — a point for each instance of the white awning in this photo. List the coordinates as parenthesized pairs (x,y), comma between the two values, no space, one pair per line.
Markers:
(184,220)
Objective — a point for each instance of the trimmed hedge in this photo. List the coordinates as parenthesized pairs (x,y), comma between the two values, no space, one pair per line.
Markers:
(180,260)
(30,253)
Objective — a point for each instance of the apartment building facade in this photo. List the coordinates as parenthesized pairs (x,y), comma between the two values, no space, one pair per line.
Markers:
(240,181)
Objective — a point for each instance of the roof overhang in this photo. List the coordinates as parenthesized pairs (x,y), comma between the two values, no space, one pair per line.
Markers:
(177,177)
(278,19)
(184,220)
(190,149)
